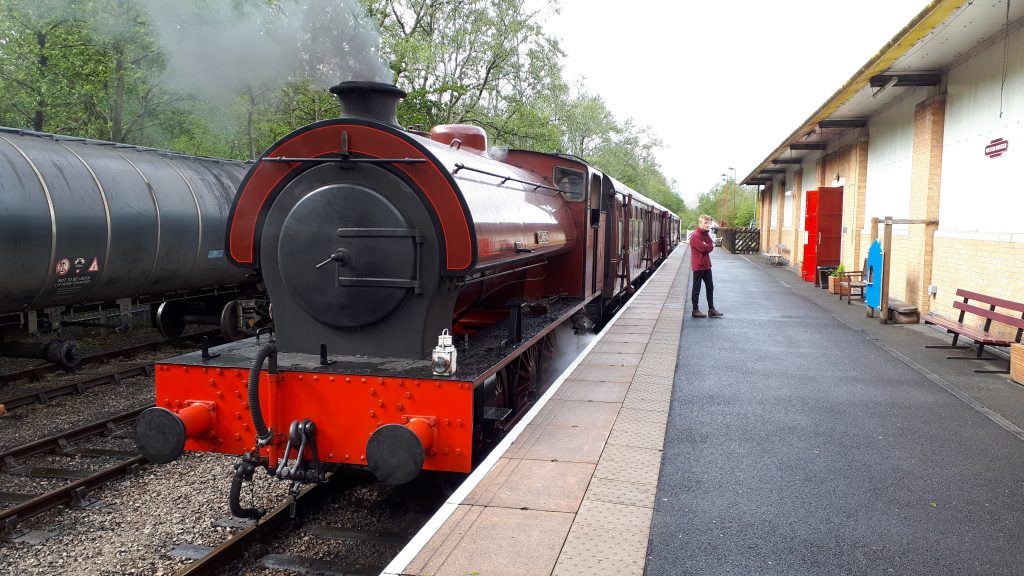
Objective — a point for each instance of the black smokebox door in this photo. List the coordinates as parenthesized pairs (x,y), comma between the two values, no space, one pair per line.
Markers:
(355,287)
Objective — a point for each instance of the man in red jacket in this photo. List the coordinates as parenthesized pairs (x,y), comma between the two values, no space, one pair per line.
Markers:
(701,246)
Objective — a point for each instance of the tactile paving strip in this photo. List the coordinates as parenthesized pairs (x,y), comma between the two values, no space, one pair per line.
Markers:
(602,552)
(610,532)
(621,492)
(639,435)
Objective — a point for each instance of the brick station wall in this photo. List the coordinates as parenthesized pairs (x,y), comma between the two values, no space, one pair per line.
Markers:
(980,265)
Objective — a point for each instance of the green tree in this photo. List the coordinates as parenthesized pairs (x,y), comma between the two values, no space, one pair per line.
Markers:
(48,65)
(479,61)
(132,102)
(719,203)
(628,154)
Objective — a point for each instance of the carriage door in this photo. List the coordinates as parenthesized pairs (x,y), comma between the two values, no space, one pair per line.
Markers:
(613,226)
(598,216)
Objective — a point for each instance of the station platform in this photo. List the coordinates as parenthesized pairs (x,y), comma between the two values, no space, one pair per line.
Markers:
(793,436)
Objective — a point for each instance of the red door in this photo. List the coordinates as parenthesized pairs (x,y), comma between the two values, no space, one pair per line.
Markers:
(809,268)
(830,225)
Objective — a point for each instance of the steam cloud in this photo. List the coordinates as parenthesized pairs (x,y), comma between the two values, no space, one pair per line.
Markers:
(214,49)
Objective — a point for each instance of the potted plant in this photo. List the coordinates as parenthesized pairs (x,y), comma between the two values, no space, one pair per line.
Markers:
(838,275)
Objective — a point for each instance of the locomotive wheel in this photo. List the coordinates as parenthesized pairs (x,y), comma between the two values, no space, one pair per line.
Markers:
(170,318)
(519,382)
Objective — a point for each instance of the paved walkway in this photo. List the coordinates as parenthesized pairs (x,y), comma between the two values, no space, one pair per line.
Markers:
(571,490)
(804,438)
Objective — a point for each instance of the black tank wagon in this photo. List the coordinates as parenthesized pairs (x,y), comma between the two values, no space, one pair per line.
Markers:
(86,222)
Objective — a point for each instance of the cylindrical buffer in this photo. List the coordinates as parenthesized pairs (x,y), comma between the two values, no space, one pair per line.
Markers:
(65,353)
(160,434)
(395,452)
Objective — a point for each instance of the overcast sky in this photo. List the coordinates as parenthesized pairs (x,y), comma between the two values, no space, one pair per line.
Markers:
(722,83)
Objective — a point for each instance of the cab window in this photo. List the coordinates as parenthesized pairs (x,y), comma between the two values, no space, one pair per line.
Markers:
(570,182)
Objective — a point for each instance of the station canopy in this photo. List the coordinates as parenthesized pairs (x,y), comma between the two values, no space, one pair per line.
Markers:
(939,37)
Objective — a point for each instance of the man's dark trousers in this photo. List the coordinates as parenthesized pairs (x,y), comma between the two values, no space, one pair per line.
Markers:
(698,276)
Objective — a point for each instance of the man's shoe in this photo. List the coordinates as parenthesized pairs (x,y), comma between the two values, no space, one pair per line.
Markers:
(715,313)
(698,314)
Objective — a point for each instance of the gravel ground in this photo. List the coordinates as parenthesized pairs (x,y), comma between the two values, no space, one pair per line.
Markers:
(359,502)
(36,421)
(144,517)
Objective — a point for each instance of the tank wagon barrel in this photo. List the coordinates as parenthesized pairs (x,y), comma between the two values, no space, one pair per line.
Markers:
(84,221)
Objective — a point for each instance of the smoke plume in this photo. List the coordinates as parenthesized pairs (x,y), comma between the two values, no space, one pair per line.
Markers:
(215,48)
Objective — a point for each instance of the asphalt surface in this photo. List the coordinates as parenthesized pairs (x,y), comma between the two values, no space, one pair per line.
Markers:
(804,438)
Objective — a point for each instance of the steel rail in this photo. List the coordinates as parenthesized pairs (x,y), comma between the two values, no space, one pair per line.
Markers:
(8,458)
(68,494)
(234,547)
(36,372)
(77,387)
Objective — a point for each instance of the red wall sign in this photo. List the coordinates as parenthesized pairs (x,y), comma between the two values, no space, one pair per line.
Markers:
(996,148)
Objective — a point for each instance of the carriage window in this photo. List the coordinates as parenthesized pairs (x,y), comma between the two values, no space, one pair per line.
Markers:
(570,182)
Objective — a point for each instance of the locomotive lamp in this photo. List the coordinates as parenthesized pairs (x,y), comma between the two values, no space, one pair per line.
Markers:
(443,358)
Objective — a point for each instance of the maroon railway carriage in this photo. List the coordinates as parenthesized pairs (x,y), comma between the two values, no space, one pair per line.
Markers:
(416,283)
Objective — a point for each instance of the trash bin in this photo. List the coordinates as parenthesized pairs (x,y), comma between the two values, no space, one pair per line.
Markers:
(823,273)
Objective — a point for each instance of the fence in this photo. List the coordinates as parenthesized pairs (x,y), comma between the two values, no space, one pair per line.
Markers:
(741,240)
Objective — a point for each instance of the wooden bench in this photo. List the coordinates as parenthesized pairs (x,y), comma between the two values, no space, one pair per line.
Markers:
(980,335)
(774,258)
(854,283)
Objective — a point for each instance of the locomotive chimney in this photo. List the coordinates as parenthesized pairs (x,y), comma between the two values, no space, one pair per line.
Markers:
(369,100)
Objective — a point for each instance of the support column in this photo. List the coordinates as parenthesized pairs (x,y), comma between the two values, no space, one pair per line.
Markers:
(781,216)
(929,121)
(858,188)
(795,240)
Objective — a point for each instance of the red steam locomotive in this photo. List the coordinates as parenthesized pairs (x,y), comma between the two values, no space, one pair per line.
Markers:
(415,281)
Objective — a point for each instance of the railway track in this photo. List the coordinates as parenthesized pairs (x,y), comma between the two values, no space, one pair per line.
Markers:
(210,560)
(17,462)
(78,386)
(79,382)
(349,543)
(37,372)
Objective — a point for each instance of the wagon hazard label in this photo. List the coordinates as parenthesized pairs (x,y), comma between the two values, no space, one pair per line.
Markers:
(997,147)
(74,276)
